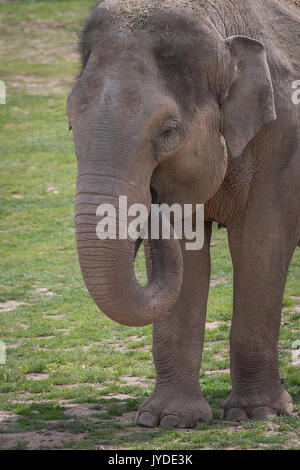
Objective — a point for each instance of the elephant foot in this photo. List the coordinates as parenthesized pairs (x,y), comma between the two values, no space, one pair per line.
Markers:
(241,407)
(176,410)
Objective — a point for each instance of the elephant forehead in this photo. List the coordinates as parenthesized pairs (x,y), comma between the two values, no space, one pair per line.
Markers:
(143,7)
(131,24)
(137,14)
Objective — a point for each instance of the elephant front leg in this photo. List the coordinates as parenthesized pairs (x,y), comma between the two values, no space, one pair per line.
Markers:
(261,255)
(177,350)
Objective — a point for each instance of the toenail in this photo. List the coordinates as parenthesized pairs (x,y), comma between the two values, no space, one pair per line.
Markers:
(146,419)
(170,421)
(236,414)
(263,412)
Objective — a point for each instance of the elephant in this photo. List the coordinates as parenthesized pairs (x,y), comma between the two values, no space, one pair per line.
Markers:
(190,102)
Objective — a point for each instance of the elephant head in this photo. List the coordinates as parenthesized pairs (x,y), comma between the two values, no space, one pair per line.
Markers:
(159,104)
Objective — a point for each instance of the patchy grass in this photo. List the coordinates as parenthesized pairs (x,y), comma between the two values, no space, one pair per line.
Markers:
(73,378)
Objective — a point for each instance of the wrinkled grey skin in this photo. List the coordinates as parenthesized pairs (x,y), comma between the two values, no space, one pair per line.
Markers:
(192,104)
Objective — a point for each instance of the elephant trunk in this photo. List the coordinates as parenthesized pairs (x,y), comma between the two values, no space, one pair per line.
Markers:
(108,265)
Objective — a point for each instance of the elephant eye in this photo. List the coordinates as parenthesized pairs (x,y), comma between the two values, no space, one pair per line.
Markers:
(171,137)
(168,132)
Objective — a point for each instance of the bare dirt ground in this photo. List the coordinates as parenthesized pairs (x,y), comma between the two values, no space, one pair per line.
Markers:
(51,438)
(50,44)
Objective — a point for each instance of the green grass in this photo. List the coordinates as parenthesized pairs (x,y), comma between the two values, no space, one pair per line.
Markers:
(57,335)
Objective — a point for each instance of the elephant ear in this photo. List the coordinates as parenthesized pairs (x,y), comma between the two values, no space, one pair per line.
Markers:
(249,104)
